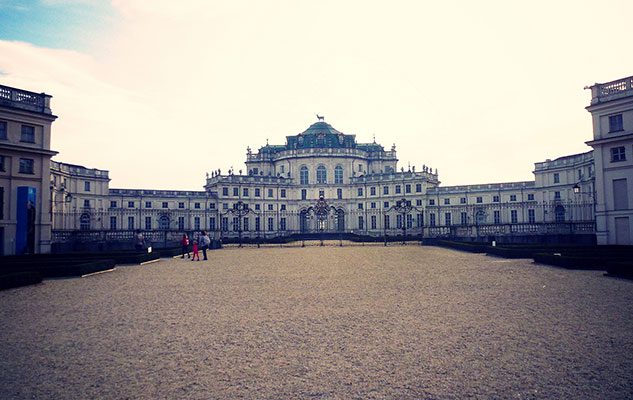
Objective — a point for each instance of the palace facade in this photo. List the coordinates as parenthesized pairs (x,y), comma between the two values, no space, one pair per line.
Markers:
(319,181)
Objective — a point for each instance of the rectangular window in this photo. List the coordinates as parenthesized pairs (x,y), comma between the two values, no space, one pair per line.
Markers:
(431,202)
(196,205)
(360,206)
(212,206)
(418,202)
(270,223)
(148,204)
(432,219)
(28,134)
(236,192)
(257,224)
(557,178)
(514,216)
(86,186)
(385,190)
(618,154)
(130,223)
(407,188)
(399,221)
(372,191)
(236,222)
(283,207)
(409,221)
(557,195)
(148,223)
(339,193)
(530,196)
(212,223)
(196,223)
(130,204)
(531,216)
(181,223)
(615,123)
(1,203)
(112,204)
(112,223)
(2,163)
(620,195)
(270,193)
(372,204)
(225,224)
(165,204)
(447,201)
(304,194)
(496,198)
(245,192)
(397,189)
(462,200)
(181,204)
(282,224)
(513,197)
(385,205)
(373,221)
(283,193)
(447,219)
(225,206)
(497,216)
(257,192)
(463,218)
(257,207)
(387,222)
(418,187)
(270,207)
(86,203)
(360,192)
(26,166)
(419,220)
(480,199)
(3,130)
(225,191)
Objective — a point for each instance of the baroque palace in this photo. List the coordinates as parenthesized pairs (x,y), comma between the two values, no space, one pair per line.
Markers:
(321,181)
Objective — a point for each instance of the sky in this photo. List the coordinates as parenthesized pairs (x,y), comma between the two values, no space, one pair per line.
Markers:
(161,92)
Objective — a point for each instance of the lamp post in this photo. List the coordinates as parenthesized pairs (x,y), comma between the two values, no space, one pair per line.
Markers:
(239,210)
(576,189)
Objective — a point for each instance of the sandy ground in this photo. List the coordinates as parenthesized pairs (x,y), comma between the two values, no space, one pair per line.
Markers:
(321,322)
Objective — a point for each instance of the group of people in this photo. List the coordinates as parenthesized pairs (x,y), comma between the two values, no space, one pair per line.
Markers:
(203,245)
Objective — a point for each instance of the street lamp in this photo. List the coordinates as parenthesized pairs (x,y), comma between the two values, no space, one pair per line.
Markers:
(577,190)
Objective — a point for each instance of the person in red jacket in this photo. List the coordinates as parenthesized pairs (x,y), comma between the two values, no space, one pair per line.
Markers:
(194,253)
(184,242)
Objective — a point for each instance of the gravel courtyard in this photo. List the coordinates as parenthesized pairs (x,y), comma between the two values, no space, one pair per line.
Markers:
(321,322)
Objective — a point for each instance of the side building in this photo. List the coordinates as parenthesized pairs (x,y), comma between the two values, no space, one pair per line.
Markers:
(25,153)
(611,110)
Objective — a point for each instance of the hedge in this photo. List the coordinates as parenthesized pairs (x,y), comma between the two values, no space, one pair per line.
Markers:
(57,268)
(470,247)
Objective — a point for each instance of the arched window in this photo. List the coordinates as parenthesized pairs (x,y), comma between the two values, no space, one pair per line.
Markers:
(163,222)
(321,174)
(84,222)
(338,174)
(303,175)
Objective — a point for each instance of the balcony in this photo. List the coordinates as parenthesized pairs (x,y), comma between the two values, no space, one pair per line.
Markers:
(25,100)
(603,92)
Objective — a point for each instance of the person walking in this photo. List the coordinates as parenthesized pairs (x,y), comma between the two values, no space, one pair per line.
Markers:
(194,252)
(184,242)
(205,241)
